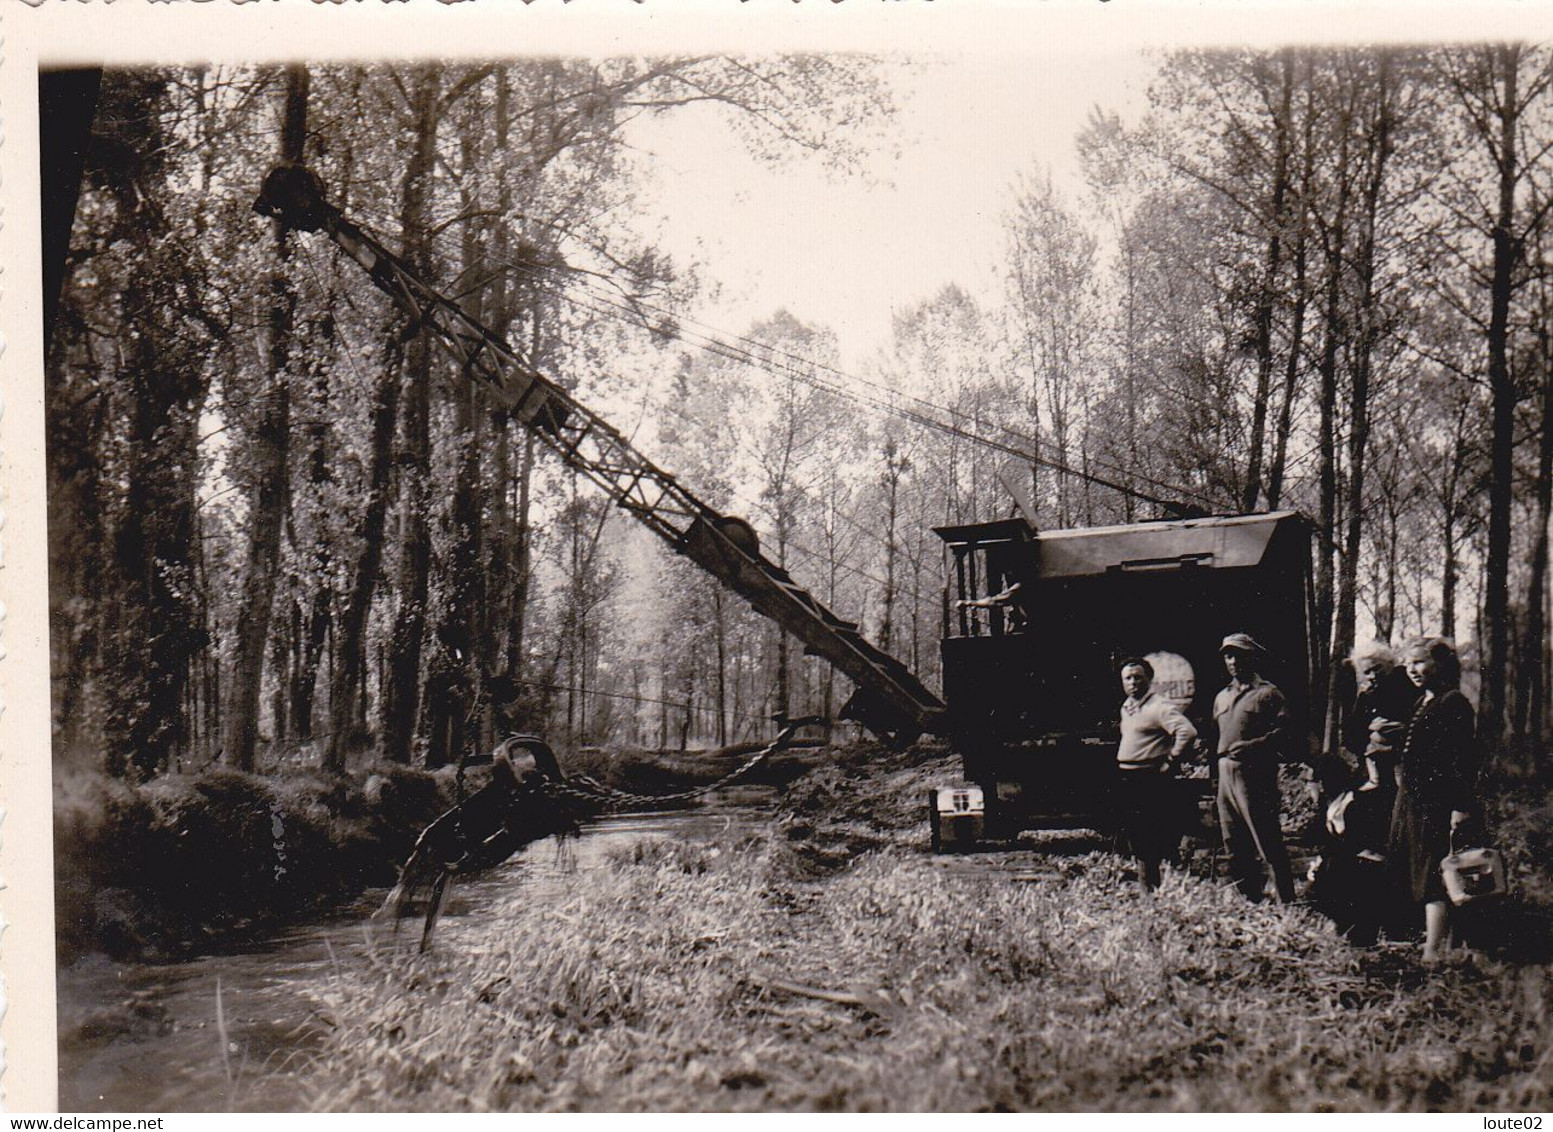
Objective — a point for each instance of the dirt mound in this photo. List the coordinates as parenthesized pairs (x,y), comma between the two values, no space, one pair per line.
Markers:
(862,797)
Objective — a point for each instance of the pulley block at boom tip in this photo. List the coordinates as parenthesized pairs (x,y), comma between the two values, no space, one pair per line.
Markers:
(891,701)
(294,195)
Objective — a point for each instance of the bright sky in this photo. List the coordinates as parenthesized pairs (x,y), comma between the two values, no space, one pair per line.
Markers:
(847,251)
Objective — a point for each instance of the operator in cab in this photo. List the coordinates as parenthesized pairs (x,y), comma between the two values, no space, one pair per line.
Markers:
(1154,735)
(1252,719)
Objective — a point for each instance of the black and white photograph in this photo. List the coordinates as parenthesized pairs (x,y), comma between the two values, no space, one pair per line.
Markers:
(835,560)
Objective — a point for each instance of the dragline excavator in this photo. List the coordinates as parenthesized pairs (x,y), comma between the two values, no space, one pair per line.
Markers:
(889,700)
(1037,621)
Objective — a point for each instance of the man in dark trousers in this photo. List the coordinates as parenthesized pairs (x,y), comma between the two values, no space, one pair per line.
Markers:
(1154,733)
(1253,724)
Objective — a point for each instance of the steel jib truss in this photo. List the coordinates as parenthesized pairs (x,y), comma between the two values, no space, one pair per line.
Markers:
(889,700)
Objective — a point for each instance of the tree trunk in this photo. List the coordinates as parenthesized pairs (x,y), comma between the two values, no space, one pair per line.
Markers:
(1267,297)
(1506,256)
(401,696)
(894,466)
(1531,717)
(1333,333)
(1296,344)
(1366,318)
(347,696)
(152,624)
(464,612)
(159,628)
(268,455)
(318,618)
(720,628)
(1449,572)
(522,563)
(783,688)
(314,631)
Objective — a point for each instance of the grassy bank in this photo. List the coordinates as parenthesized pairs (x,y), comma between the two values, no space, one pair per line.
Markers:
(188,863)
(828,963)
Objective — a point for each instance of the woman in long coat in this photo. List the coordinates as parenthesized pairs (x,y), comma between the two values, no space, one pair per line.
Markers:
(1436,782)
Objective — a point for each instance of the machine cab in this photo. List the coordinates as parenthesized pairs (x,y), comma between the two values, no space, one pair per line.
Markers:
(1037,623)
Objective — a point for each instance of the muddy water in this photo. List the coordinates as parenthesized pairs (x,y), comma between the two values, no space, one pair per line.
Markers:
(150,1038)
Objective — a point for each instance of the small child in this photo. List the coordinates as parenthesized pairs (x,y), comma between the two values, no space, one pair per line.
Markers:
(1375,734)
(1380,753)
(1377,725)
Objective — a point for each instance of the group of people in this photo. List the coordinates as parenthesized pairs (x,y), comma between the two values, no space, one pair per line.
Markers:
(1410,732)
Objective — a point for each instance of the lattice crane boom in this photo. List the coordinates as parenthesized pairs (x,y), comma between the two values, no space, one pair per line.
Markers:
(889,700)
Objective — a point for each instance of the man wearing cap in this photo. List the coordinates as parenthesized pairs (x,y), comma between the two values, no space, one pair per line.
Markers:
(1253,724)
(1154,732)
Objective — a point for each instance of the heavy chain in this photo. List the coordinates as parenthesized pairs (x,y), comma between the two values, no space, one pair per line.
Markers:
(445,846)
(582,788)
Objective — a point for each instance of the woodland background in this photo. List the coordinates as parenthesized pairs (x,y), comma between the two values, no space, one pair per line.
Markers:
(281,530)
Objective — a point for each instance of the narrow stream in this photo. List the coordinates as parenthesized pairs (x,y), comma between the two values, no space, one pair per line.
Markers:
(138,1037)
